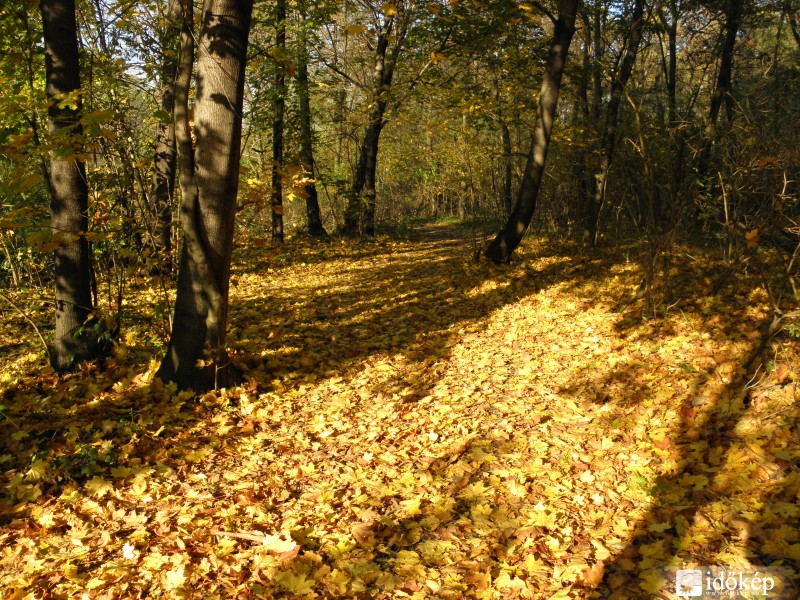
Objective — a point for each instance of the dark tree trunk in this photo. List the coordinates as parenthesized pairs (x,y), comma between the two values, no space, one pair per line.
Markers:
(608,141)
(582,115)
(314,216)
(209,181)
(165,158)
(359,217)
(75,339)
(582,93)
(733,16)
(511,235)
(277,122)
(671,28)
(597,57)
(505,193)
(505,139)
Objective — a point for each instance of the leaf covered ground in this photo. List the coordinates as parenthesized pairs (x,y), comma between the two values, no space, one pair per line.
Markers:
(413,425)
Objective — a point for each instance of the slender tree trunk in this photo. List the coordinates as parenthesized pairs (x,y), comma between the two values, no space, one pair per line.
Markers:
(582,100)
(671,27)
(209,181)
(277,122)
(510,236)
(583,118)
(165,157)
(597,57)
(75,339)
(359,218)
(314,216)
(608,141)
(505,193)
(733,16)
(505,139)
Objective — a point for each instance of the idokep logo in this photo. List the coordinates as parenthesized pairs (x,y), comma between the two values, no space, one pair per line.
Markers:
(689,582)
(719,582)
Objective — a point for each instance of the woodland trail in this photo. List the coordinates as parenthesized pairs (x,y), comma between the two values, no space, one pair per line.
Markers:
(416,425)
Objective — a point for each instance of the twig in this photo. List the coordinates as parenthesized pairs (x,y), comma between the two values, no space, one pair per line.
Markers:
(28,319)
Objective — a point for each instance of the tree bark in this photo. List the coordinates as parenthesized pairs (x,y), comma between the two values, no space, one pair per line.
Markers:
(314,216)
(75,339)
(209,179)
(277,121)
(359,218)
(510,236)
(608,141)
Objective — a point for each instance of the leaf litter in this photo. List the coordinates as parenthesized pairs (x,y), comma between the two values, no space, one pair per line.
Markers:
(412,425)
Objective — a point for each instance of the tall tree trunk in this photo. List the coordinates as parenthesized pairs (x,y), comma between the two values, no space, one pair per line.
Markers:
(510,236)
(597,57)
(505,139)
(165,157)
(359,218)
(671,27)
(314,216)
(277,121)
(582,115)
(505,193)
(608,141)
(75,339)
(733,16)
(209,181)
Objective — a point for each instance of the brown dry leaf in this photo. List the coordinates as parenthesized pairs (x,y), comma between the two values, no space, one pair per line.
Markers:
(479,580)
(364,532)
(594,575)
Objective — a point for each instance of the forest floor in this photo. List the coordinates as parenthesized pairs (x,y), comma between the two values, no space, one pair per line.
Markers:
(413,425)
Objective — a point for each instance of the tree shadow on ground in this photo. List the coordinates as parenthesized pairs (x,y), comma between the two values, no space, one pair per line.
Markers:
(722,478)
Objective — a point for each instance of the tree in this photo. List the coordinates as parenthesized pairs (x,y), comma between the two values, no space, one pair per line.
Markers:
(165,157)
(669,22)
(506,241)
(277,121)
(75,338)
(733,15)
(612,112)
(209,180)
(391,27)
(314,217)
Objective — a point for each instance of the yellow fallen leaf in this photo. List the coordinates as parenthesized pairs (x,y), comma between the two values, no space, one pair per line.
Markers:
(98,487)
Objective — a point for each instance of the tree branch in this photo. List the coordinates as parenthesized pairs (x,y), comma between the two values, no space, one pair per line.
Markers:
(544,9)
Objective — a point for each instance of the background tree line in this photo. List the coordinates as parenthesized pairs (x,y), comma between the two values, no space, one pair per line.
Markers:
(140,138)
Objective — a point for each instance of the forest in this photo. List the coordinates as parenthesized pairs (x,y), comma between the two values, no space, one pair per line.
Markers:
(399,299)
